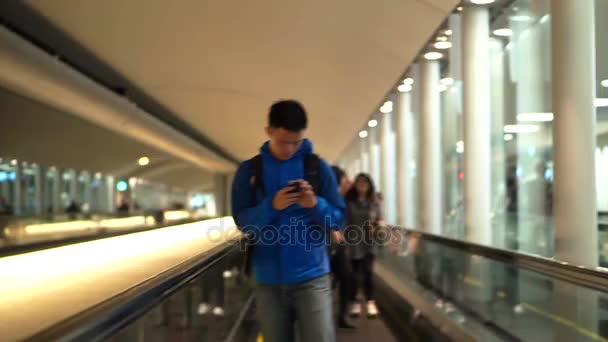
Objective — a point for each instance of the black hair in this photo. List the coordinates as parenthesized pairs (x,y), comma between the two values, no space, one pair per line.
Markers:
(353,195)
(339,173)
(287,114)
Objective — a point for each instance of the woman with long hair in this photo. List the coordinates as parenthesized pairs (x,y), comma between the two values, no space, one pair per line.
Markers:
(363,216)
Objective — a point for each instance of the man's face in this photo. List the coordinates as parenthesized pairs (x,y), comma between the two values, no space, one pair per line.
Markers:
(284,143)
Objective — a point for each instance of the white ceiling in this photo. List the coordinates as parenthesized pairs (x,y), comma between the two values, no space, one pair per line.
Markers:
(220,64)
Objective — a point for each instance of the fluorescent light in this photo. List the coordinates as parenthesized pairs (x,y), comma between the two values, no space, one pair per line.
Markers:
(176,215)
(448,81)
(372,123)
(431,56)
(404,88)
(387,107)
(460,147)
(508,137)
(443,45)
(363,134)
(521,18)
(518,129)
(448,32)
(442,39)
(535,117)
(544,19)
(127,222)
(482,2)
(143,161)
(59,227)
(409,81)
(604,83)
(503,32)
(601,102)
(442,87)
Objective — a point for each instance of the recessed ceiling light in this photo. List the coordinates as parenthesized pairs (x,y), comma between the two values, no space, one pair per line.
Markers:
(448,32)
(508,137)
(431,56)
(408,80)
(459,8)
(544,19)
(482,2)
(604,83)
(601,102)
(442,87)
(387,107)
(363,134)
(514,129)
(372,123)
(443,45)
(143,161)
(460,147)
(404,88)
(448,81)
(503,32)
(521,18)
(442,39)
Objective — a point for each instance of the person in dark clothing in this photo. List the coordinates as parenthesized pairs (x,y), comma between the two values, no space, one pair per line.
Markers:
(123,208)
(363,217)
(72,210)
(341,265)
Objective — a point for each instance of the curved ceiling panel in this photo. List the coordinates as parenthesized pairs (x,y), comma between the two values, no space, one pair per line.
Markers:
(34,132)
(220,64)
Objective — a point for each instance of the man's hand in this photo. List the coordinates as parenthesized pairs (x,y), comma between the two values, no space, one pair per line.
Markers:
(307,195)
(284,199)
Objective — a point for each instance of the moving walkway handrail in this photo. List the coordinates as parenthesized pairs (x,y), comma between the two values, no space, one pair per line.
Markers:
(107,318)
(578,274)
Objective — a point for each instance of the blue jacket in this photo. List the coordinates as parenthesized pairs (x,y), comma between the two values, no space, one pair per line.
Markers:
(289,246)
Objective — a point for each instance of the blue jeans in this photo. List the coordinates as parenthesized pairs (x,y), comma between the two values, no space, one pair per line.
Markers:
(307,304)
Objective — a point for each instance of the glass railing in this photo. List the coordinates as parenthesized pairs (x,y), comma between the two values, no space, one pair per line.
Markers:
(214,306)
(509,295)
(533,234)
(208,299)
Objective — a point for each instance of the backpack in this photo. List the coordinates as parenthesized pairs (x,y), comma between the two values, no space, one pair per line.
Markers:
(312,166)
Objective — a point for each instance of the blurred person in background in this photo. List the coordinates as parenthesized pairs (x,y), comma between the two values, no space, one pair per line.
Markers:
(363,218)
(341,264)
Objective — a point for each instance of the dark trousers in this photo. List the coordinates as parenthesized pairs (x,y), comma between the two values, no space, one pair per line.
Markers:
(341,267)
(363,270)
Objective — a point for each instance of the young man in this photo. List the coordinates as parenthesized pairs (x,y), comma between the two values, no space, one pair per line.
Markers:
(288,219)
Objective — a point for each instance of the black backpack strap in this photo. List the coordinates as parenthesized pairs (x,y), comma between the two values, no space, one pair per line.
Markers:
(256,181)
(257,177)
(312,171)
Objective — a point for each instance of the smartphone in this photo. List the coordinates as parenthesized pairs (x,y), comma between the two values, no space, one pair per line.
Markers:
(295,187)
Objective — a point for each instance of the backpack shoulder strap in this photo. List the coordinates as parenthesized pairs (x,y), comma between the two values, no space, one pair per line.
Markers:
(312,171)
(257,177)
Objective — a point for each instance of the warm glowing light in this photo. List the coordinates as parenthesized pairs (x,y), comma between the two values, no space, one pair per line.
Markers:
(143,161)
